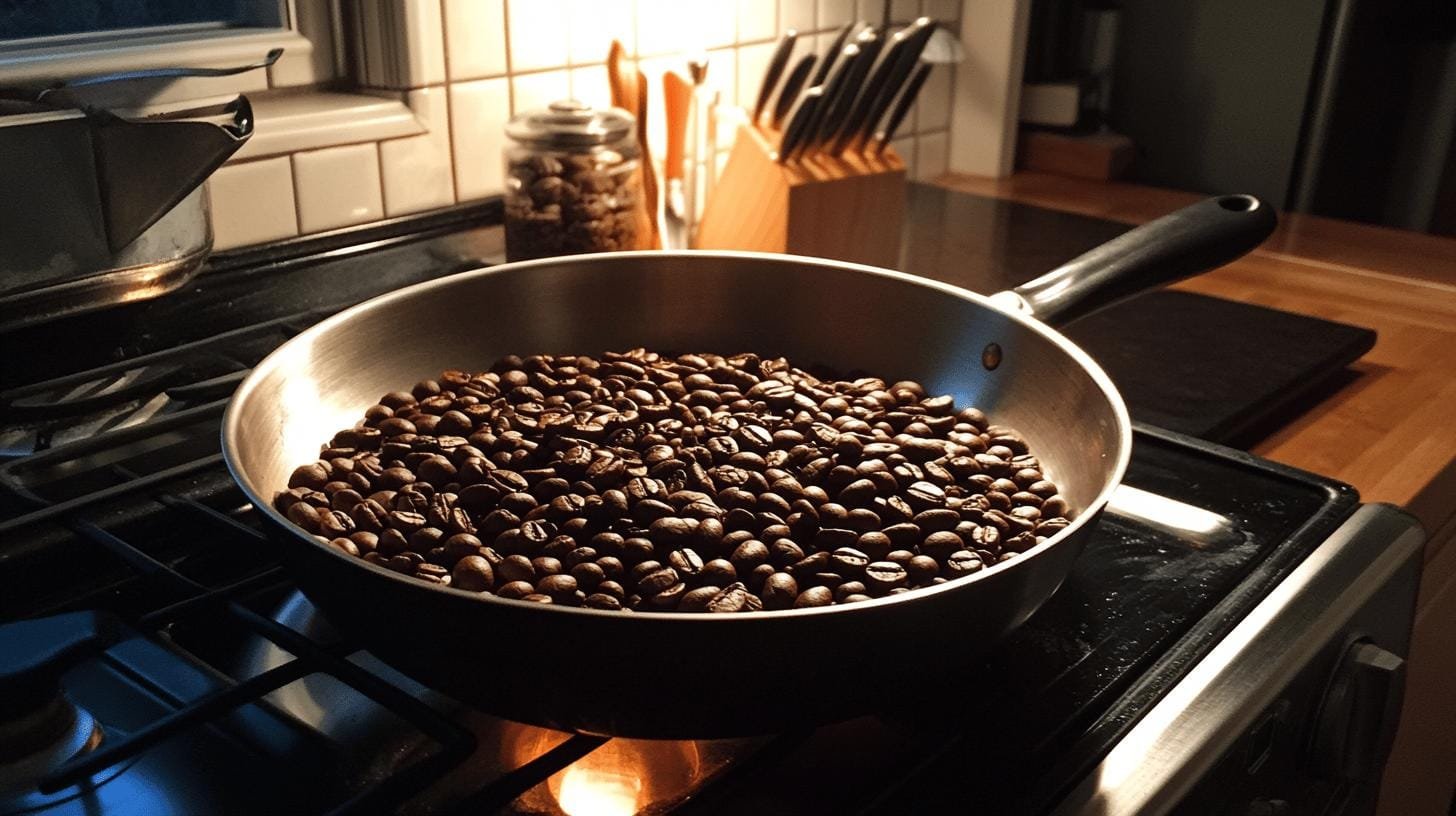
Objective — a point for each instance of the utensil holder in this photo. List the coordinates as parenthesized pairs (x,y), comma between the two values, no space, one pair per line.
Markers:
(849,208)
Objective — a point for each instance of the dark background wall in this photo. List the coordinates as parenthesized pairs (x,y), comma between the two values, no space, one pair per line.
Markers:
(1213,91)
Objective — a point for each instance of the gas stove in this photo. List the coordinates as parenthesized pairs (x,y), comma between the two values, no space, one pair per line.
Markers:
(1229,642)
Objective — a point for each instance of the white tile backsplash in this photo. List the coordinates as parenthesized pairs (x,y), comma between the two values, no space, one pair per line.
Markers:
(416,171)
(930,155)
(796,14)
(337,187)
(593,24)
(533,91)
(753,60)
(757,20)
(589,84)
(904,11)
(538,34)
(475,38)
(932,106)
(944,11)
(252,202)
(478,113)
(870,11)
(834,13)
(719,21)
(670,26)
(464,66)
(905,146)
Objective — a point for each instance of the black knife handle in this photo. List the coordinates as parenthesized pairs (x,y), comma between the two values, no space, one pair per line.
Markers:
(857,121)
(838,120)
(799,122)
(822,72)
(916,37)
(789,94)
(907,98)
(775,69)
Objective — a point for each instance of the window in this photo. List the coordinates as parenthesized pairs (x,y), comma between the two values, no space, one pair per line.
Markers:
(30,19)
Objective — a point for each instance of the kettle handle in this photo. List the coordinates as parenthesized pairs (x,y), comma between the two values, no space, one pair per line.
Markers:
(163,73)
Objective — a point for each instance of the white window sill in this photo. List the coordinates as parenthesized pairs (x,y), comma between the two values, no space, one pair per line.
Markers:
(287,123)
(192,48)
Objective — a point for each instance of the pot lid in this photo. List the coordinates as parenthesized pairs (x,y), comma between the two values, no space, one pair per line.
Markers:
(569,123)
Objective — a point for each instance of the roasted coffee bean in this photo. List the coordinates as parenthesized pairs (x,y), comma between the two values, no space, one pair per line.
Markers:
(921,569)
(697,600)
(687,562)
(874,544)
(472,573)
(848,562)
(934,521)
(940,545)
(883,576)
(705,469)
(962,562)
(732,598)
(814,596)
(779,591)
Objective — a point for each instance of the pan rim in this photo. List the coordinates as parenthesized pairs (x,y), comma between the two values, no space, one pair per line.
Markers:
(231,430)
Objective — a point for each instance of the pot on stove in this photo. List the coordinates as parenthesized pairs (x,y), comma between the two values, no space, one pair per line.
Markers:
(103,204)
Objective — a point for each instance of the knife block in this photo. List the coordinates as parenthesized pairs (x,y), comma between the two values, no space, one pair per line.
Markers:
(847,208)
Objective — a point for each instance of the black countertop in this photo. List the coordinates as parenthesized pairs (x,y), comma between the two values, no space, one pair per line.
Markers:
(1198,365)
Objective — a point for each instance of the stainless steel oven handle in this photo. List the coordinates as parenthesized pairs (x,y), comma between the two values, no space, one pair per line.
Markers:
(1158,762)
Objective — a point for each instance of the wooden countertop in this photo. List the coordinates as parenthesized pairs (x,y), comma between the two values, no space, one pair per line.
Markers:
(1391,432)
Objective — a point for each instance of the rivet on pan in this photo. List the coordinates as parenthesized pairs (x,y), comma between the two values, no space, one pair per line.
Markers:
(991,356)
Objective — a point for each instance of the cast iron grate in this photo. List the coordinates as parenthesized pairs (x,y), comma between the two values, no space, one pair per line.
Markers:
(165,471)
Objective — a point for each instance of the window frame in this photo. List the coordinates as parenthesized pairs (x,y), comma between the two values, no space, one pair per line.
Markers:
(46,60)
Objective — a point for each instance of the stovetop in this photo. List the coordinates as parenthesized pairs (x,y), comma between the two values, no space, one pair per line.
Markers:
(125,506)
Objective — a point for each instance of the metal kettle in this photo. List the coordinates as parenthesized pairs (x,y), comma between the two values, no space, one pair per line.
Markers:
(104,205)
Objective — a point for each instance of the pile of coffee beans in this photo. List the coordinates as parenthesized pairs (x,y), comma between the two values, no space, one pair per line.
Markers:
(571,204)
(694,483)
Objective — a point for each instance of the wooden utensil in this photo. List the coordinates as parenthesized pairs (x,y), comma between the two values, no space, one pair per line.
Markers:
(649,175)
(677,100)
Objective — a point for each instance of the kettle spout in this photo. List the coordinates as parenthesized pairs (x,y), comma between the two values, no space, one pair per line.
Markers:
(146,165)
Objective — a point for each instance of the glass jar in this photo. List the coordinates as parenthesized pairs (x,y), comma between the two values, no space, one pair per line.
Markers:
(573,182)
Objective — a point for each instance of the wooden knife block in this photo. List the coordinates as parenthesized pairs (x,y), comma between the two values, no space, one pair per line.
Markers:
(847,208)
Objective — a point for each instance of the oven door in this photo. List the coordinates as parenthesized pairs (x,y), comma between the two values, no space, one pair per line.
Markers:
(1294,711)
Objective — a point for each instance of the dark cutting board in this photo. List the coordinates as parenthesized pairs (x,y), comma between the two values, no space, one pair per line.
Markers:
(1211,368)
(1217,369)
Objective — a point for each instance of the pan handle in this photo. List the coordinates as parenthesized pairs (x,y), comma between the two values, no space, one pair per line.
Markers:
(1195,239)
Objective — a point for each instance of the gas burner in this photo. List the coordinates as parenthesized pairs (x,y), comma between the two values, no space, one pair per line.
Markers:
(41,729)
(613,776)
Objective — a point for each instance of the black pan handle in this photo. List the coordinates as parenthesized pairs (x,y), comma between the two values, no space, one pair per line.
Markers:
(1195,239)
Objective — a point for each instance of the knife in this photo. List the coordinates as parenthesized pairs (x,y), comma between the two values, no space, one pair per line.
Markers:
(799,121)
(907,98)
(879,79)
(916,36)
(789,94)
(775,69)
(836,121)
(822,72)
(832,87)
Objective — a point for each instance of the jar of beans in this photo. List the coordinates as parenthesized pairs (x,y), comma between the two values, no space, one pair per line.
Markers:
(573,182)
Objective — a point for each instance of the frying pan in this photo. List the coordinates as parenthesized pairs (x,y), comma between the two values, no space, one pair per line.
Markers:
(684,675)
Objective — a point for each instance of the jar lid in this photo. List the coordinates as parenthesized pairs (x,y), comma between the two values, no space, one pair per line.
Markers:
(570,123)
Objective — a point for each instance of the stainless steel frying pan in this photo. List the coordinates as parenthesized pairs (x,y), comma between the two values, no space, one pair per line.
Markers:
(692,675)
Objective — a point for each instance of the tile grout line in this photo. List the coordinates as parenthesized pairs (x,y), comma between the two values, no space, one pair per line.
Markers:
(510,61)
(445,100)
(297,206)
